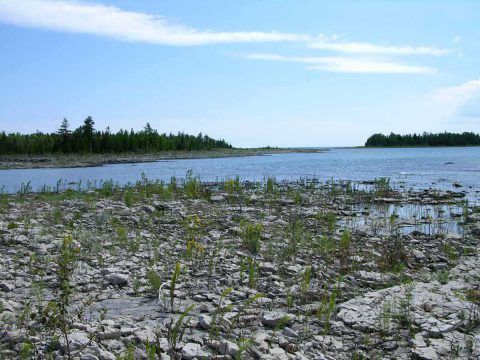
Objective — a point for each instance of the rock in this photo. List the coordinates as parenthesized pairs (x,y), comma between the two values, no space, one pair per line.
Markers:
(204,321)
(418,255)
(193,351)
(77,340)
(145,335)
(199,298)
(228,348)
(117,279)
(217,198)
(279,354)
(289,332)
(268,267)
(273,318)
(6,286)
(109,333)
(149,209)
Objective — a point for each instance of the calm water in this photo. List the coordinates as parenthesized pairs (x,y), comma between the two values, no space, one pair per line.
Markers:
(418,168)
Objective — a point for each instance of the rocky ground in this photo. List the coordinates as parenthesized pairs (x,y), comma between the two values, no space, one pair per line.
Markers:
(239,270)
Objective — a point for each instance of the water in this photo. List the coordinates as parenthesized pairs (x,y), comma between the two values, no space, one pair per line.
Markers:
(416,168)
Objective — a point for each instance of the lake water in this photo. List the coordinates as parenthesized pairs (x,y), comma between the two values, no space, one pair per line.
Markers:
(411,167)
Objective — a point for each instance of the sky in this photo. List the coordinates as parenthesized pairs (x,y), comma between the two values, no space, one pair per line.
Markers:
(253,72)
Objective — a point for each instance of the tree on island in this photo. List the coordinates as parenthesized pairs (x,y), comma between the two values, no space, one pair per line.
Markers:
(87,132)
(85,139)
(425,139)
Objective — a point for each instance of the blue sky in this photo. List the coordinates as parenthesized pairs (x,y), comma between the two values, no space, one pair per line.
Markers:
(255,72)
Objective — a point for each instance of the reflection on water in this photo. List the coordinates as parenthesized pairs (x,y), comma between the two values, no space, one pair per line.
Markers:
(408,218)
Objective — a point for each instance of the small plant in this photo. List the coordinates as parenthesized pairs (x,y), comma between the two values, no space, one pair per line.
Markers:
(252,272)
(242,270)
(404,313)
(290,299)
(328,220)
(122,236)
(12,226)
(214,329)
(243,345)
(129,354)
(393,254)
(344,246)
(270,185)
(251,235)
(443,276)
(473,295)
(173,283)
(381,186)
(56,314)
(385,317)
(192,186)
(305,281)
(107,188)
(25,189)
(154,280)
(450,251)
(176,330)
(128,198)
(325,245)
(327,307)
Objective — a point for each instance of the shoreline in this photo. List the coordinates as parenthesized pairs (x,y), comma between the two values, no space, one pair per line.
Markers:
(51,161)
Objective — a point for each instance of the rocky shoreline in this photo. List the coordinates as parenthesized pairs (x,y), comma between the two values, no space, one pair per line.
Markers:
(92,160)
(239,270)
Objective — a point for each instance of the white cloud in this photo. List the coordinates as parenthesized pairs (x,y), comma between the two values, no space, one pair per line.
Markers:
(345,64)
(372,49)
(462,99)
(459,93)
(113,22)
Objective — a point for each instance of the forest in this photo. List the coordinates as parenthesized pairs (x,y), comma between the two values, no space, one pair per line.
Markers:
(425,139)
(86,139)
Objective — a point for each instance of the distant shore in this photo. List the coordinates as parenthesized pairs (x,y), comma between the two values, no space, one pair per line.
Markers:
(91,160)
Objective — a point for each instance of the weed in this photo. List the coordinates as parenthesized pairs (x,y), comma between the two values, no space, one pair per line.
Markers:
(393,253)
(128,198)
(381,186)
(218,314)
(173,283)
(154,281)
(252,272)
(305,281)
(328,220)
(107,188)
(344,247)
(327,307)
(270,185)
(176,330)
(192,186)
(443,276)
(251,235)
(56,315)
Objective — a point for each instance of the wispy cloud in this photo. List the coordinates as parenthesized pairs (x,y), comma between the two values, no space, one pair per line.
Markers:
(459,93)
(113,22)
(345,64)
(365,48)
(463,99)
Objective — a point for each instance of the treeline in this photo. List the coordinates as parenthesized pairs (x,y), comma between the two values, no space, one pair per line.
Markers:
(425,139)
(85,139)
